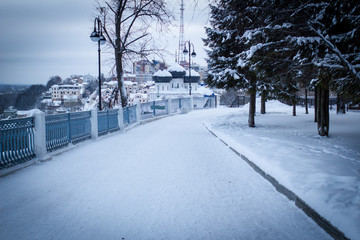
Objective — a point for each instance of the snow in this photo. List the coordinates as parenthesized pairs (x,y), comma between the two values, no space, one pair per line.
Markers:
(204,90)
(167,179)
(46,101)
(193,73)
(128,75)
(325,172)
(130,83)
(113,83)
(30,113)
(162,73)
(175,67)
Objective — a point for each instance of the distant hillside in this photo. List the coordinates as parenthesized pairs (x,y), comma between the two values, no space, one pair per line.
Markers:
(13,88)
(9,94)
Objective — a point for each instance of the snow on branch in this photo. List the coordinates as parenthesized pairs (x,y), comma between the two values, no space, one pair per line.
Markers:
(333,48)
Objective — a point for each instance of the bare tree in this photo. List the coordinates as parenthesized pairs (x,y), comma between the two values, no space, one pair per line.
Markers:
(128,27)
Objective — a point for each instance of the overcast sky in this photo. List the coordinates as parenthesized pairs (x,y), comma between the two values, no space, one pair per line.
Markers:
(43,38)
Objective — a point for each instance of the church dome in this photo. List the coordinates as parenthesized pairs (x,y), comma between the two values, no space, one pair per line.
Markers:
(195,76)
(176,70)
(162,76)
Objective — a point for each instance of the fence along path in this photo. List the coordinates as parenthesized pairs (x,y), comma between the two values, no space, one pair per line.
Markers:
(18,141)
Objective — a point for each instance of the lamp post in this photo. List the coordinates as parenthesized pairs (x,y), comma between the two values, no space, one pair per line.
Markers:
(97,36)
(193,54)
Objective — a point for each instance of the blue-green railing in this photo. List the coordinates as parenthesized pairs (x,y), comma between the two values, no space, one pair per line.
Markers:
(154,109)
(108,121)
(63,129)
(129,114)
(175,105)
(210,102)
(16,141)
(80,126)
(57,131)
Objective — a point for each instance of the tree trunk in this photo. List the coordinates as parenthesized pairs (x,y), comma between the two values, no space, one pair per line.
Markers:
(118,59)
(306,102)
(263,102)
(294,107)
(252,103)
(316,104)
(340,104)
(119,74)
(323,109)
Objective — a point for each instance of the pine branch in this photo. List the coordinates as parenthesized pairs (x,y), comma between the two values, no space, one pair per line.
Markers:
(334,49)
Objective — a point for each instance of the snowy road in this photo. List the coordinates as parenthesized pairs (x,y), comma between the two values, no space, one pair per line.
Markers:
(168,179)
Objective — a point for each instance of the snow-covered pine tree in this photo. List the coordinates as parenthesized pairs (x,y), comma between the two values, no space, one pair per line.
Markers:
(333,33)
(279,44)
(231,49)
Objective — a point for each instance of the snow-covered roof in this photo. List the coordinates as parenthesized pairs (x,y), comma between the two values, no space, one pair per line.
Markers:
(162,76)
(138,95)
(129,75)
(204,91)
(130,83)
(46,101)
(176,68)
(193,73)
(162,73)
(113,83)
(150,83)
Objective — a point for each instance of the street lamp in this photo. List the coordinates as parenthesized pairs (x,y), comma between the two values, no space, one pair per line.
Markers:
(97,36)
(193,54)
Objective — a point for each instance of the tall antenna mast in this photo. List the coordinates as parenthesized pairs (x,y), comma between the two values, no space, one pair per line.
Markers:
(181,57)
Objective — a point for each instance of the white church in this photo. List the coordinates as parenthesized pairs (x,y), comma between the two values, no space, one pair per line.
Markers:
(175,81)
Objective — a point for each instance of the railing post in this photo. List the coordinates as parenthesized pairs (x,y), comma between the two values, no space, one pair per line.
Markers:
(107,118)
(69,127)
(138,112)
(40,134)
(154,110)
(191,103)
(169,106)
(121,118)
(94,123)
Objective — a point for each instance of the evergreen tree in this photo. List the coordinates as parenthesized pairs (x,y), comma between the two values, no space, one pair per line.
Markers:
(53,81)
(281,45)
(230,20)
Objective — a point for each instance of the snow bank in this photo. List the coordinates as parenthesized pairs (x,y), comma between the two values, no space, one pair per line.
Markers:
(325,172)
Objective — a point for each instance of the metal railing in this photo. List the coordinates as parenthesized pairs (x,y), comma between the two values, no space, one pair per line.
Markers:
(129,115)
(175,105)
(107,121)
(154,109)
(66,128)
(16,141)
(57,131)
(240,101)
(80,126)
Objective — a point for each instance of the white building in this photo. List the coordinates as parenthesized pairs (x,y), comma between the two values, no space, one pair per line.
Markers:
(63,92)
(135,98)
(175,81)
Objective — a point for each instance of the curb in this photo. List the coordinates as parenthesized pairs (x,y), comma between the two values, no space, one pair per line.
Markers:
(301,204)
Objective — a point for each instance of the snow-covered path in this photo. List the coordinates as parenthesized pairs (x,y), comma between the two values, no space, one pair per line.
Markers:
(168,179)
